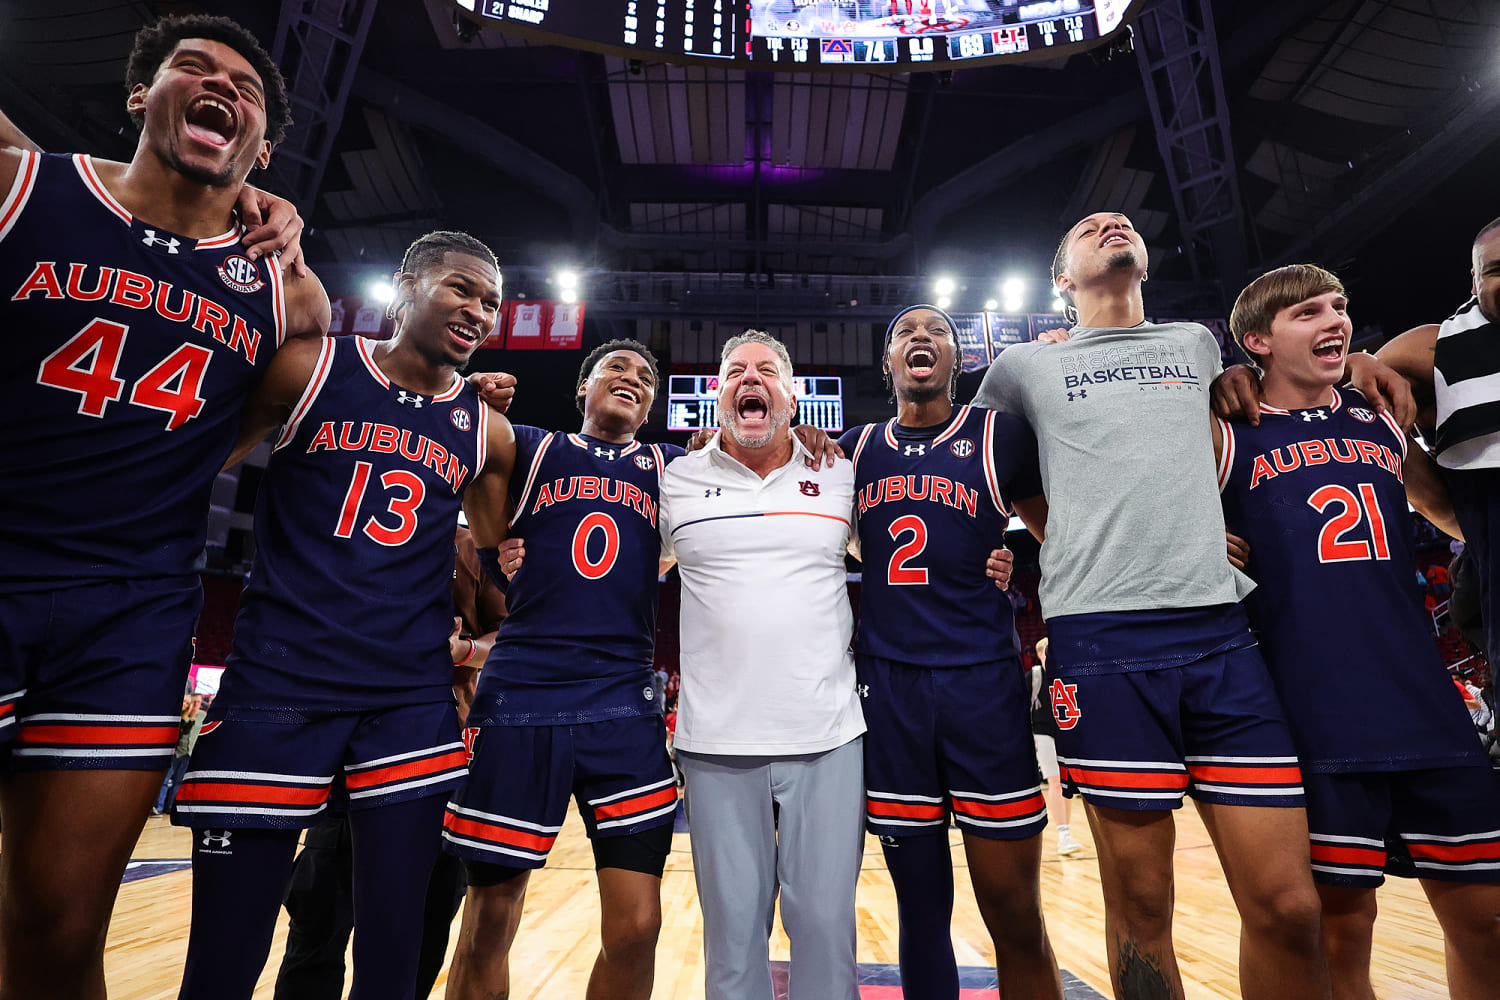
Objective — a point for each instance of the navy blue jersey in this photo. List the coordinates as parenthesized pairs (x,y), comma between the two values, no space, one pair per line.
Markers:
(349,604)
(932,504)
(130,352)
(1318,494)
(577,644)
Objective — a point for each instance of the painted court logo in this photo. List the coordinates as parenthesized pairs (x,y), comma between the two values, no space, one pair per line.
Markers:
(1065,704)
(240,274)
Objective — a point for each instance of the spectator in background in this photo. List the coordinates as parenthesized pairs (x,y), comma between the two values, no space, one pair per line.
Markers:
(1437,579)
(187,734)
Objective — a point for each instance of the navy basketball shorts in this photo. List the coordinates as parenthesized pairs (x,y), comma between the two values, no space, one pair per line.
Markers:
(954,738)
(1441,823)
(272,769)
(521,778)
(1212,729)
(93,676)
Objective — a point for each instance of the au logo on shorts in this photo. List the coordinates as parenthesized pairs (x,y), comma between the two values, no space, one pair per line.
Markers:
(1065,704)
(240,273)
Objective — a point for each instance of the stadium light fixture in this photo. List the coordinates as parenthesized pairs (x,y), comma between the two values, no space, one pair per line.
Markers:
(380,291)
(944,302)
(990,305)
(944,287)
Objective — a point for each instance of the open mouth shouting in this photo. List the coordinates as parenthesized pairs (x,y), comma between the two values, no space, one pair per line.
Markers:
(212,121)
(1330,349)
(921,359)
(1115,238)
(752,405)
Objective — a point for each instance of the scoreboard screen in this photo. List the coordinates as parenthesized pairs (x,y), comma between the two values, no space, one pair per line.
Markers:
(807,34)
(692,402)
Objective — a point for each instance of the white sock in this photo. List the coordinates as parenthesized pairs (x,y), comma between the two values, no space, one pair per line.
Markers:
(1062,828)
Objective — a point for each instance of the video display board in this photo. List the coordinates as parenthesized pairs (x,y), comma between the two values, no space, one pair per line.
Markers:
(806,34)
(691,401)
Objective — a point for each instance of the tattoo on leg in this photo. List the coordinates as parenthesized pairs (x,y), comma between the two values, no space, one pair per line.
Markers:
(1141,976)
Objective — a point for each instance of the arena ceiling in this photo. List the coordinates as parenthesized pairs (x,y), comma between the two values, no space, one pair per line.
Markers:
(1360,133)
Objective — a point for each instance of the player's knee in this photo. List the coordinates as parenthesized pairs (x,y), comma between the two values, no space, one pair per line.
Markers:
(631,933)
(1290,913)
(1475,933)
(1143,903)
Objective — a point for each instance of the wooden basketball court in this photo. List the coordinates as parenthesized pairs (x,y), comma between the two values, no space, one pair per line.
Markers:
(559,936)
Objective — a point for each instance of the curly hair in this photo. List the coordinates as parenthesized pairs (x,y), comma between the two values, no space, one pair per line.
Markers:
(155,42)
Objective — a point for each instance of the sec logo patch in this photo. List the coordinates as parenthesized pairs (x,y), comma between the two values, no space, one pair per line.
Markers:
(460,418)
(1361,414)
(962,448)
(239,273)
(644,462)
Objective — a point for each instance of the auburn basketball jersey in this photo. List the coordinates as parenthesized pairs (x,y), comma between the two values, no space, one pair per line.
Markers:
(349,604)
(130,352)
(932,504)
(578,642)
(1318,494)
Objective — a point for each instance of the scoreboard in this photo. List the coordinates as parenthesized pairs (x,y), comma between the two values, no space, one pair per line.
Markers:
(807,34)
(692,402)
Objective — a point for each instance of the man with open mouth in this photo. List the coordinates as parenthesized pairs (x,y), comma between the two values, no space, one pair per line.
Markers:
(944,693)
(769,723)
(137,328)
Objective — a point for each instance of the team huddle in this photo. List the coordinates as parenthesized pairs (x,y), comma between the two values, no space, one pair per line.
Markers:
(157,340)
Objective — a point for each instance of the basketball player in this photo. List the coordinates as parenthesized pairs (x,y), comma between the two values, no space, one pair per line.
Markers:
(1448,367)
(944,693)
(339,683)
(1395,779)
(138,330)
(568,688)
(1146,628)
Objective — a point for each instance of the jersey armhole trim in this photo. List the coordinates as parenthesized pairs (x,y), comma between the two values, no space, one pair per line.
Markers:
(536,465)
(482,453)
(859,444)
(20,191)
(991,476)
(1390,422)
(278,298)
(661,463)
(309,394)
(85,166)
(1226,460)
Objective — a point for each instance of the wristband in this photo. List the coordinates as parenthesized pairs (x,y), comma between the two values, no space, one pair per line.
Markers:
(469,655)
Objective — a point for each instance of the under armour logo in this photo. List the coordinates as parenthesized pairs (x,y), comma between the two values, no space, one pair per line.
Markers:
(1080,394)
(211,839)
(716,491)
(1309,415)
(152,240)
(604,452)
(863,690)
(402,396)
(915,449)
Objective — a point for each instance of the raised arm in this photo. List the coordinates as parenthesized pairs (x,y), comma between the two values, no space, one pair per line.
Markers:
(11,137)
(1411,356)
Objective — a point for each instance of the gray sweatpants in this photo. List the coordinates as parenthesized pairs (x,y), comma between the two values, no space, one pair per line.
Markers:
(741,861)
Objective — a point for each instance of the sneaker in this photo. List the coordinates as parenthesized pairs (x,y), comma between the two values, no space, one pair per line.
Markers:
(1066,845)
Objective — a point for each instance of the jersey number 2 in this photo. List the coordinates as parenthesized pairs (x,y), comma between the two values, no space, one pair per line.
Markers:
(405,508)
(1356,508)
(898,573)
(87,363)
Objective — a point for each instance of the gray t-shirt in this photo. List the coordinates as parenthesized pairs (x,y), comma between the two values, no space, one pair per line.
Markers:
(1122,425)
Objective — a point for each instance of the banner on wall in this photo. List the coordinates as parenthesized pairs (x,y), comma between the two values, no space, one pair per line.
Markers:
(541,325)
